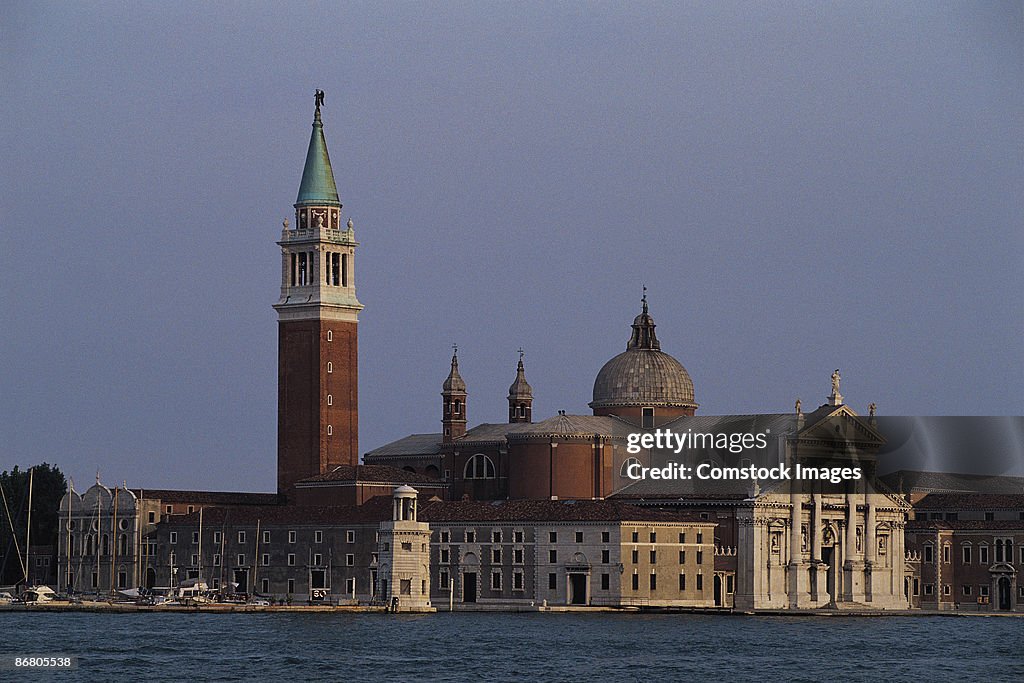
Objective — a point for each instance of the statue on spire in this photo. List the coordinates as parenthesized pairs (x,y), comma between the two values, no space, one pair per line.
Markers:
(319,98)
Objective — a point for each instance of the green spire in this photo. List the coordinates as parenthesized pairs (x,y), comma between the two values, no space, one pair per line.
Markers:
(317,185)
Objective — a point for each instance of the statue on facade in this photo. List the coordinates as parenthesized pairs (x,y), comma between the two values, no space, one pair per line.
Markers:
(835,382)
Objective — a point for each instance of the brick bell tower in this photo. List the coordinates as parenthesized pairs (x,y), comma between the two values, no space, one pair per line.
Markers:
(317,380)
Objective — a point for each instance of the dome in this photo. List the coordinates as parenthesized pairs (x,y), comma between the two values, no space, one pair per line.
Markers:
(643,375)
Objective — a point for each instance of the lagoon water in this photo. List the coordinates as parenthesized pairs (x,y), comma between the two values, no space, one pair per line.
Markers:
(505,647)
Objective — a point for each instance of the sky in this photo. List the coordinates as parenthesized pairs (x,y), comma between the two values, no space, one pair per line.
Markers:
(801,186)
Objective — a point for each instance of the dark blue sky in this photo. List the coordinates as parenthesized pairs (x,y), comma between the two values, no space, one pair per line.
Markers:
(801,186)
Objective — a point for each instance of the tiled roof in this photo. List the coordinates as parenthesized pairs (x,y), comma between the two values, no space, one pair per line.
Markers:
(966,525)
(971,501)
(374,474)
(914,480)
(208,497)
(414,444)
(546,511)
(375,510)
(685,489)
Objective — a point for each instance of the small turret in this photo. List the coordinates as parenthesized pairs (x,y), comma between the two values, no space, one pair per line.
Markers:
(453,396)
(520,396)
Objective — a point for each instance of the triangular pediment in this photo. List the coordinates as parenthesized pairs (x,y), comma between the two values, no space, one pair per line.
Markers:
(840,425)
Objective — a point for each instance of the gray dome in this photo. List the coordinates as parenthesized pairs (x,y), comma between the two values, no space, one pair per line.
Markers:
(643,377)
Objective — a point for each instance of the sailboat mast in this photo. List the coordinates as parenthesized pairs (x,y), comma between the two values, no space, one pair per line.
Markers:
(67,570)
(14,535)
(113,539)
(200,542)
(28,527)
(256,558)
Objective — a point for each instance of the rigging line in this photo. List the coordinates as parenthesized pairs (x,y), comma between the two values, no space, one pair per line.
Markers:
(14,534)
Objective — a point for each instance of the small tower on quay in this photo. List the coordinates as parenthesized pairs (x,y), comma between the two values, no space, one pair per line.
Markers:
(453,397)
(404,574)
(318,315)
(520,396)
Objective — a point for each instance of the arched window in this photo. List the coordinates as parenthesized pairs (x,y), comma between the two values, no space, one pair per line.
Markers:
(458,407)
(106,545)
(479,467)
(122,545)
(330,335)
(330,400)
(330,366)
(624,470)
(330,430)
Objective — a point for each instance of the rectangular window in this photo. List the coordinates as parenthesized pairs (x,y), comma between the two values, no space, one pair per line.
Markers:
(442,579)
(496,556)
(318,537)
(318,559)
(444,555)
(648,418)
(990,516)
(728,583)
(291,560)
(241,560)
(266,537)
(122,579)
(983,554)
(95,580)
(917,586)
(983,591)
(517,536)
(169,509)
(700,537)
(700,582)
(966,589)
(350,536)
(552,537)
(552,556)
(636,537)
(636,582)
(606,537)
(241,537)
(606,556)
(605,581)
(291,586)
(635,556)
(470,536)
(152,517)
(495,537)
(265,559)
(195,560)
(496,581)
(517,581)
(579,537)
(929,589)
(654,556)
(682,557)
(350,560)
(191,509)
(195,537)
(682,582)
(173,537)
(682,537)
(216,559)
(654,582)
(967,554)
(446,537)
(216,538)
(945,553)
(517,556)
(654,537)
(700,557)
(552,581)
(291,537)
(264,586)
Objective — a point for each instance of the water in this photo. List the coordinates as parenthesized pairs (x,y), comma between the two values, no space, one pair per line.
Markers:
(499,647)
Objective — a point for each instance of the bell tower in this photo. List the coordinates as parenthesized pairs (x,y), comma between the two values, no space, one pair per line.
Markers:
(317,371)
(453,402)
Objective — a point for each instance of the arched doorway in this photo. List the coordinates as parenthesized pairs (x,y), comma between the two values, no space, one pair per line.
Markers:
(150,578)
(1004,593)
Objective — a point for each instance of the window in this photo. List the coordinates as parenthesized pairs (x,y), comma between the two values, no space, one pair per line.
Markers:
(470,536)
(517,581)
(606,556)
(624,471)
(705,515)
(330,335)
(966,589)
(517,536)
(983,554)
(241,560)
(929,553)
(169,509)
(264,586)
(152,517)
(291,561)
(700,557)
(728,583)
(990,516)
(700,582)
(946,589)
(291,585)
(945,553)
(241,537)
(350,560)
(606,537)
(517,556)
(605,582)
(700,537)
(552,537)
(350,536)
(479,467)
(318,559)
(682,557)
(648,418)
(496,581)
(983,591)
(216,559)
(216,538)
(496,556)
(122,579)
(330,430)
(173,537)
(195,561)
(191,509)
(458,407)
(579,537)
(654,556)
(552,581)
(636,582)
(654,582)
(330,367)
(682,537)
(496,536)
(966,550)
(654,537)
(446,536)
(682,582)
(265,559)
(444,556)
(266,537)
(443,579)
(318,537)
(929,589)
(635,556)
(215,584)
(552,556)
(636,537)
(917,586)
